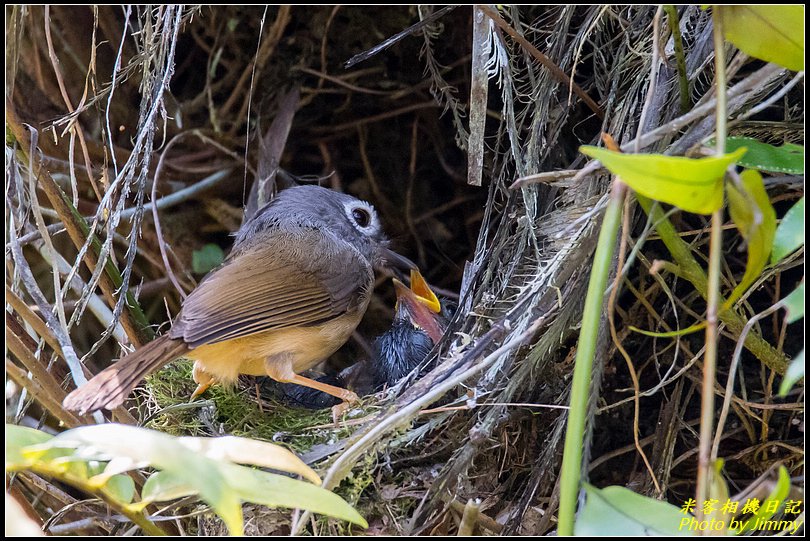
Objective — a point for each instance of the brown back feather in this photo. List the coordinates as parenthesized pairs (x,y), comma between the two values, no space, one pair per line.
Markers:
(277,284)
(111,386)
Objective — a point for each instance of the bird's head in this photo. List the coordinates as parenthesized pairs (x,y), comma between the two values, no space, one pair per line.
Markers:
(419,305)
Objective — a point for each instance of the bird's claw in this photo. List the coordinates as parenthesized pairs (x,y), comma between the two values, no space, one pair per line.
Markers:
(201,388)
(203,380)
(339,410)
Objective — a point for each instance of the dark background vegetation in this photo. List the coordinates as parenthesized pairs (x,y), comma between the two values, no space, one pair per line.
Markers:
(390,131)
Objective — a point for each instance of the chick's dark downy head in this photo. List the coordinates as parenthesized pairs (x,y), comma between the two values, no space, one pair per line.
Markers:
(418,324)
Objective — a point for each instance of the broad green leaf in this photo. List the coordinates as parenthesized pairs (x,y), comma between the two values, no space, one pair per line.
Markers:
(207,258)
(163,486)
(768,32)
(29,448)
(248,451)
(121,487)
(779,493)
(619,511)
(788,158)
(794,373)
(118,464)
(275,490)
(790,233)
(17,438)
(199,466)
(70,465)
(752,213)
(95,467)
(57,460)
(795,304)
(163,452)
(260,487)
(694,185)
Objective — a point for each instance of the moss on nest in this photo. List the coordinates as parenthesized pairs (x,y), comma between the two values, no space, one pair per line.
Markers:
(232,410)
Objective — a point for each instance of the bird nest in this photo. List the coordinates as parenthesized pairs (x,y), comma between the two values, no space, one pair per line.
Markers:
(201,109)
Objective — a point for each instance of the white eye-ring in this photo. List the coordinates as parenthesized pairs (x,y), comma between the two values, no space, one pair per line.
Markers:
(362,216)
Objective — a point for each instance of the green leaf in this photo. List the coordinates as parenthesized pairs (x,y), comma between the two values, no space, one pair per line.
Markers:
(794,373)
(260,487)
(619,511)
(27,448)
(718,491)
(248,451)
(17,438)
(70,465)
(694,185)
(788,158)
(121,487)
(207,258)
(163,452)
(203,467)
(275,490)
(118,464)
(790,233)
(94,467)
(768,32)
(163,486)
(752,213)
(779,493)
(795,304)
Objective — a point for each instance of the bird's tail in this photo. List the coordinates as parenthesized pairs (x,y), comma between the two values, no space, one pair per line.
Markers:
(111,386)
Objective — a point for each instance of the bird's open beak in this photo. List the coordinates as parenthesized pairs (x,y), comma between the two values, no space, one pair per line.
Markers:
(424,294)
(393,259)
(420,304)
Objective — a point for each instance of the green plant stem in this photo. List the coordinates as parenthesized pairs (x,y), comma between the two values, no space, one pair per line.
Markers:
(713,298)
(709,361)
(680,57)
(690,269)
(583,366)
(137,518)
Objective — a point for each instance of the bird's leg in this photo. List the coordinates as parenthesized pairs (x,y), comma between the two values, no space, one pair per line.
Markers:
(280,368)
(203,380)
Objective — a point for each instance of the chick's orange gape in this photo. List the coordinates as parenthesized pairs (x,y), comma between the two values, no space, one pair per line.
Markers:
(291,292)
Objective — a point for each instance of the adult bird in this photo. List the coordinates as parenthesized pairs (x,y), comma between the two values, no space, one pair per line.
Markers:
(291,292)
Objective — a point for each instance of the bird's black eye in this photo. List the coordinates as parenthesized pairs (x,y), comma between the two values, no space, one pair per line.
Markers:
(361,217)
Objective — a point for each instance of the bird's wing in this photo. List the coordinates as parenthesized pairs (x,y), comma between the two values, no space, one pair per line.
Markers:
(297,277)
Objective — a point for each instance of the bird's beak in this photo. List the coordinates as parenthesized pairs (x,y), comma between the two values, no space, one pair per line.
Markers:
(393,259)
(420,304)
(424,294)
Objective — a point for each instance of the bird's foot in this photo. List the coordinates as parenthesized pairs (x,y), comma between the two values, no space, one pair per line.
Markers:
(339,410)
(203,380)
(201,388)
(280,369)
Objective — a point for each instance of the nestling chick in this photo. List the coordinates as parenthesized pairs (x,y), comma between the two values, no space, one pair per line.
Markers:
(419,323)
(420,320)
